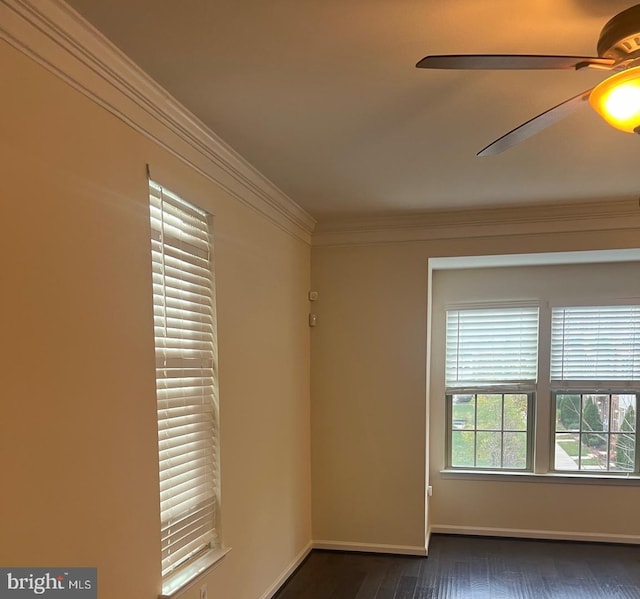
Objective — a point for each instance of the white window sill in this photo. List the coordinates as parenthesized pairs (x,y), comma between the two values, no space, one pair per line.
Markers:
(586,478)
(185,577)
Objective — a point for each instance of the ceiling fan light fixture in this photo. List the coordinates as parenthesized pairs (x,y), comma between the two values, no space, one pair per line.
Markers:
(617,100)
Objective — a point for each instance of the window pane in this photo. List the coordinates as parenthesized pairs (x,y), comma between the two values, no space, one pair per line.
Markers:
(623,413)
(462,449)
(593,447)
(567,455)
(594,451)
(623,452)
(489,449)
(514,450)
(463,412)
(515,412)
(478,438)
(596,441)
(603,404)
(592,412)
(568,412)
(489,412)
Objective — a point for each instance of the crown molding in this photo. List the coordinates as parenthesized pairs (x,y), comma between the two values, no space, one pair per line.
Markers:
(487,222)
(58,38)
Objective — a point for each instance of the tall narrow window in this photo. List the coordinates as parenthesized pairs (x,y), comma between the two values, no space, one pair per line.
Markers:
(185,341)
(491,373)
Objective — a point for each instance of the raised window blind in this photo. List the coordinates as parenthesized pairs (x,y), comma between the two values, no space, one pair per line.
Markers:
(595,343)
(184,321)
(491,346)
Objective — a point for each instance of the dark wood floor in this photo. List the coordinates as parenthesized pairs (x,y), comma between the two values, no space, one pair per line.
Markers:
(463,567)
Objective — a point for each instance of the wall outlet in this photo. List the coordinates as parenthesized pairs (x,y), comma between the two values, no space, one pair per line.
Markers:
(203,592)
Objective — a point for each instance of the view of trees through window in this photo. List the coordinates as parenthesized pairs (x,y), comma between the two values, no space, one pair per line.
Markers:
(595,432)
(489,430)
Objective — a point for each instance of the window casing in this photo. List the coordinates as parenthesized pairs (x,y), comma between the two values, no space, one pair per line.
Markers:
(595,431)
(186,384)
(491,372)
(490,430)
(590,364)
(595,378)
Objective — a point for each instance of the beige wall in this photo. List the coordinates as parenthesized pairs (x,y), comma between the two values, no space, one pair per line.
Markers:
(368,400)
(78,432)
(369,414)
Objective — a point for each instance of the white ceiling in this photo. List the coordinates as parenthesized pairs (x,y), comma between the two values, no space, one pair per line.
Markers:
(322,96)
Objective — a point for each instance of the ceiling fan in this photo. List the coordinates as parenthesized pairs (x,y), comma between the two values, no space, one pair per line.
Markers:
(616,99)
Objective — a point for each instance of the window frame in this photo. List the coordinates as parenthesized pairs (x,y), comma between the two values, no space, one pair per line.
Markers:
(520,387)
(530,430)
(183,232)
(598,385)
(542,432)
(592,390)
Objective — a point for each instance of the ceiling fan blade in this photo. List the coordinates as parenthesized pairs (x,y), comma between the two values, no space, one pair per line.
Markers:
(511,61)
(535,125)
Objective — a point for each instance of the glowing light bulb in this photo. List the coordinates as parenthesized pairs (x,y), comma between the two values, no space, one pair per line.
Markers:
(617,100)
(623,101)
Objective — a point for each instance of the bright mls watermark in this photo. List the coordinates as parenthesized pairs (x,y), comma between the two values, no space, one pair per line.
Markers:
(50,583)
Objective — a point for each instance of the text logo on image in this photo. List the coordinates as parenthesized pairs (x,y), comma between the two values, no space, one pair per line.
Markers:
(49,583)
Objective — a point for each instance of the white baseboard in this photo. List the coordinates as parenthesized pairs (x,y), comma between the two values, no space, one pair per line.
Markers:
(554,535)
(559,535)
(370,547)
(289,570)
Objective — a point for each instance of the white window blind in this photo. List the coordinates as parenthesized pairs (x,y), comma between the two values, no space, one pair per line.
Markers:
(184,322)
(491,346)
(595,343)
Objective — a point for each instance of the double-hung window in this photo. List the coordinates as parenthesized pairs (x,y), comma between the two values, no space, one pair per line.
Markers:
(491,372)
(595,382)
(185,344)
(580,363)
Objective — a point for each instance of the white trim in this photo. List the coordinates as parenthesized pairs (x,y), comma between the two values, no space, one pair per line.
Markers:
(555,535)
(371,547)
(286,574)
(535,259)
(185,578)
(518,221)
(561,476)
(58,38)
